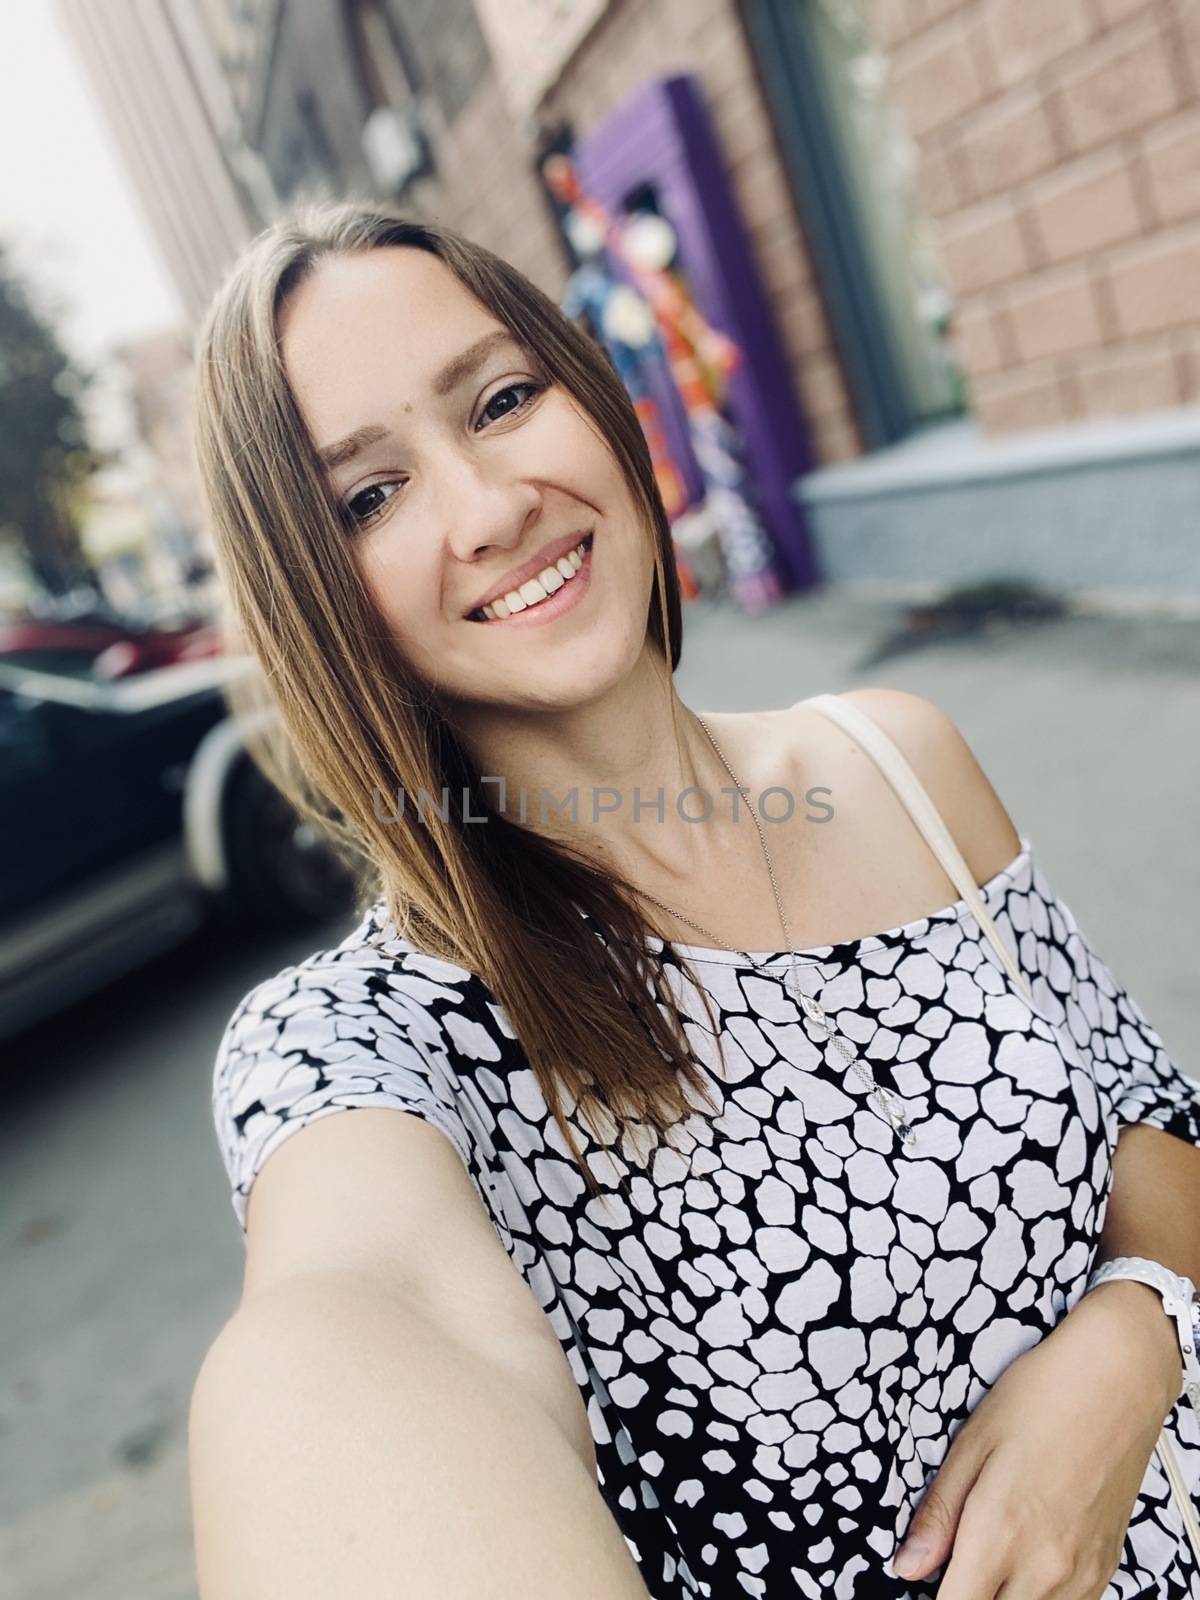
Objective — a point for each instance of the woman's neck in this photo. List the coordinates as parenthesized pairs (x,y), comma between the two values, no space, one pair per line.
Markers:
(607,777)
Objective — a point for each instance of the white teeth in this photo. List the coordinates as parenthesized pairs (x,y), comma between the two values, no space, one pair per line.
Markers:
(535,590)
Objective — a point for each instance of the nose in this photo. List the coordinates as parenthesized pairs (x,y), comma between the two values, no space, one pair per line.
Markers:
(482,506)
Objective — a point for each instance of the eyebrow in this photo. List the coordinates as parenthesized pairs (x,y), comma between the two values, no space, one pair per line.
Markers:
(457,371)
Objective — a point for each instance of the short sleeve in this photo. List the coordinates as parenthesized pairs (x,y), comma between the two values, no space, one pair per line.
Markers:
(309,1042)
(1131,1064)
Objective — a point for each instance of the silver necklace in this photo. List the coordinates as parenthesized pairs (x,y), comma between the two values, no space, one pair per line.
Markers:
(883,1100)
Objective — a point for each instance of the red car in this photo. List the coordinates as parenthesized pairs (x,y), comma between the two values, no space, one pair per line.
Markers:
(99,648)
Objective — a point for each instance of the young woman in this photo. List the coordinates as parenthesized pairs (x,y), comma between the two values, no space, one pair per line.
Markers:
(730,1243)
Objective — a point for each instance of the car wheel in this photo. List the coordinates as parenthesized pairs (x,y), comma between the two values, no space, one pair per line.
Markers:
(283,872)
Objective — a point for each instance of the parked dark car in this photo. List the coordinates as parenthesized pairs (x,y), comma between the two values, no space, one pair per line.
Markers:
(131,813)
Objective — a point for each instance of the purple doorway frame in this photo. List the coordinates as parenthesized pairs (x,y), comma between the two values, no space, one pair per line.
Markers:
(662,136)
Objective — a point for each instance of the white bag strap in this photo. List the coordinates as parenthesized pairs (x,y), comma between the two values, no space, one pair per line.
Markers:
(896,769)
(894,765)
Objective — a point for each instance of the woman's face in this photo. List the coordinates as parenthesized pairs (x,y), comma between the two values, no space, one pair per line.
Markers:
(466,476)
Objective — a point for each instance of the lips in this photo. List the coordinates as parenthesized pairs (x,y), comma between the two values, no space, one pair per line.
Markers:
(543,576)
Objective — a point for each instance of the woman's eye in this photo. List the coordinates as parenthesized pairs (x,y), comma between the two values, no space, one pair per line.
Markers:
(369,502)
(502,394)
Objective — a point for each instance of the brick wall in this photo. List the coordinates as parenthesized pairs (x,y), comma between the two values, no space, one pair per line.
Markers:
(1060,156)
(485,187)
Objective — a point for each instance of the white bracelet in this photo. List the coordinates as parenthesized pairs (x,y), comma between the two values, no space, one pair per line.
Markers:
(1180,1302)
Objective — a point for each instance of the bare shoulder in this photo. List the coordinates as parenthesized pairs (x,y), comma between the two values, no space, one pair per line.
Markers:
(923,730)
(940,755)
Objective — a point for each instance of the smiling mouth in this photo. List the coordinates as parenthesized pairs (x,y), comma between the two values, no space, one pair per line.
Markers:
(530,594)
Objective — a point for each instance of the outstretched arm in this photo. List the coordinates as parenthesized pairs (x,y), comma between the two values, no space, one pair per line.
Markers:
(389,1412)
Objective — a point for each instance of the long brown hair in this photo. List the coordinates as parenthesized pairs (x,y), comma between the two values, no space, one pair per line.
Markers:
(346,719)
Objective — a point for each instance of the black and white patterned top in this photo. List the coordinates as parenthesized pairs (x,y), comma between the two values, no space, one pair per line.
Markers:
(778,1326)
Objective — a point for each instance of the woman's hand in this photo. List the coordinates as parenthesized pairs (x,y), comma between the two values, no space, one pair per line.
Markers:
(1036,1492)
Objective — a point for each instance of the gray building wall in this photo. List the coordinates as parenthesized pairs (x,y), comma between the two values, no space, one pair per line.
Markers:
(317,85)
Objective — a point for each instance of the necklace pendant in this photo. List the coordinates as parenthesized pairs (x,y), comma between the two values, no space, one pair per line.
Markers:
(900,1125)
(808,1005)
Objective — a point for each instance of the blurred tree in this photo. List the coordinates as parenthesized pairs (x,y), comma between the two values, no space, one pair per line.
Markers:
(45,458)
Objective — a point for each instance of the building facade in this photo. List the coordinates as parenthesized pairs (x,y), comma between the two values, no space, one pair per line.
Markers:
(163,94)
(1060,157)
(970,218)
